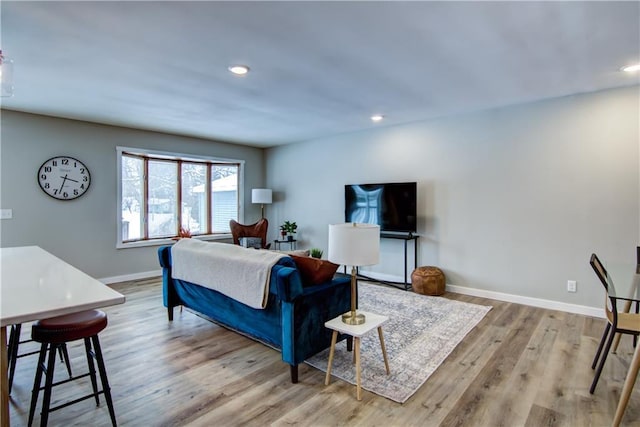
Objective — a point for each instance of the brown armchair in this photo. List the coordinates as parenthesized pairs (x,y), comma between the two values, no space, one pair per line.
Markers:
(259,229)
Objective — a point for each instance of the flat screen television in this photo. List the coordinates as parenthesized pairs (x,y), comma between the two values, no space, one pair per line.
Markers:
(392,206)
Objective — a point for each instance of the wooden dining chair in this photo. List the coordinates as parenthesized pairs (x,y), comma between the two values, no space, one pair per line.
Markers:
(627,309)
(617,322)
(632,374)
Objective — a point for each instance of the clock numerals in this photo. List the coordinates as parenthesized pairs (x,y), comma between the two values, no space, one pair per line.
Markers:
(64,178)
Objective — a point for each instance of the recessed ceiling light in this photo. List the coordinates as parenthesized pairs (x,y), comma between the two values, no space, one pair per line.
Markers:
(631,68)
(239,70)
(377,117)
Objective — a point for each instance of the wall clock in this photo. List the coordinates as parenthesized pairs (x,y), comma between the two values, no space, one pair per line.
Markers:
(64,178)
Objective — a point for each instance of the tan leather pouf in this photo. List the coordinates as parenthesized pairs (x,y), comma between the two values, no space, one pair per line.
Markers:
(428,281)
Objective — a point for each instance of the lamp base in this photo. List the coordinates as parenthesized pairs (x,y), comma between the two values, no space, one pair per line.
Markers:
(353,318)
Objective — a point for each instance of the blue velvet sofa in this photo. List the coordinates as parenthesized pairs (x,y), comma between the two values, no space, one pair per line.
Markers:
(293,320)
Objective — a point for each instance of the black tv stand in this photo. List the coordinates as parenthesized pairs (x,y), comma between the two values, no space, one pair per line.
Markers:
(406,237)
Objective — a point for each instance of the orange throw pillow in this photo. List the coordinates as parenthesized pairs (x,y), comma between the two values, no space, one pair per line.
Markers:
(314,271)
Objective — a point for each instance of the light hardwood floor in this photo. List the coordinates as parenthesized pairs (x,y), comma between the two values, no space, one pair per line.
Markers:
(521,366)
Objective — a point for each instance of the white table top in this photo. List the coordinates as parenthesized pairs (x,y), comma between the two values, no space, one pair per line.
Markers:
(372,321)
(34,285)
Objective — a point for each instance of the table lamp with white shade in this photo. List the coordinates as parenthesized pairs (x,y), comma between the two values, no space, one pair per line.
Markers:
(264,196)
(356,245)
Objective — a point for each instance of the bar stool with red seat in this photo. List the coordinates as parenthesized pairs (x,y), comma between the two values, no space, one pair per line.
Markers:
(54,332)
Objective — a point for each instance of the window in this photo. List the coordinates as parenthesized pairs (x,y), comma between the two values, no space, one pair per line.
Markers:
(159,193)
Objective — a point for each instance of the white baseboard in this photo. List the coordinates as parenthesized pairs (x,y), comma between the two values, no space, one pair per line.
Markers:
(133,276)
(500,296)
(518,299)
(382,276)
(534,302)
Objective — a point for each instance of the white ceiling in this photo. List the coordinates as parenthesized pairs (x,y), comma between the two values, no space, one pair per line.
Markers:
(318,68)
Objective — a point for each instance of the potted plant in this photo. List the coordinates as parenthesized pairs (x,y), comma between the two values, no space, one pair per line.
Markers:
(290,227)
(283,231)
(315,253)
(183,233)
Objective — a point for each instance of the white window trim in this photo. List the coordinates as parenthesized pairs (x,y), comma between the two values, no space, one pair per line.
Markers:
(173,156)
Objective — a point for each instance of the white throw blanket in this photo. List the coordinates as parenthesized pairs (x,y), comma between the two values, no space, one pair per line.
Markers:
(240,273)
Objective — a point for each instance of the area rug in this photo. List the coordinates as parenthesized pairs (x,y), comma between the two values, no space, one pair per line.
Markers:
(419,335)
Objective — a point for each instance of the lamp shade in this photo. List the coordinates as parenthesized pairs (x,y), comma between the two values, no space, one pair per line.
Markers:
(6,76)
(261,195)
(354,244)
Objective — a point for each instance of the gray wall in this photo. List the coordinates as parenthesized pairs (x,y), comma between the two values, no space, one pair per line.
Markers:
(511,200)
(83,231)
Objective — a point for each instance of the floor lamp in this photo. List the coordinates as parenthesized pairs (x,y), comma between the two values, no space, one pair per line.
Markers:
(264,196)
(355,245)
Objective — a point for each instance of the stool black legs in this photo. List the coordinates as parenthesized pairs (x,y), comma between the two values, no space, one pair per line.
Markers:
(93,352)
(92,368)
(48,384)
(12,352)
(64,355)
(103,378)
(36,382)
(13,356)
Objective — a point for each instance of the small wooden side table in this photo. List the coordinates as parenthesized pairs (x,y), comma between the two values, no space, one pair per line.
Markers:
(372,322)
(291,243)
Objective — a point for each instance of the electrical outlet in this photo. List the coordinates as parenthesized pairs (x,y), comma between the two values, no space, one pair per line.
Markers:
(6,213)
(572,286)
